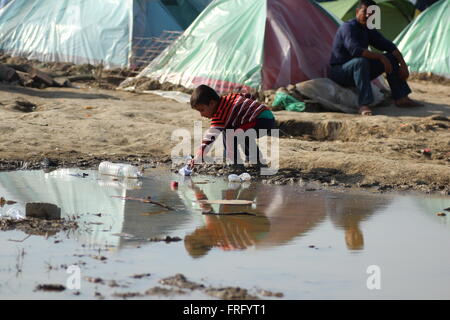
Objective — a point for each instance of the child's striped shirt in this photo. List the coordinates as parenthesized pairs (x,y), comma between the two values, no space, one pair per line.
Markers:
(234,111)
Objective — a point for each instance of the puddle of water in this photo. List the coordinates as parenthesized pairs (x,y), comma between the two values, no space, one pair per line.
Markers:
(307,245)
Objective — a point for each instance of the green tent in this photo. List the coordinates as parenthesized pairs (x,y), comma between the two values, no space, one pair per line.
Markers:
(395,14)
(425,43)
(265,44)
(89,31)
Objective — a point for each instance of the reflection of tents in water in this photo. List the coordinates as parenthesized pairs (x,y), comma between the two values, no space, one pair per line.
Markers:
(143,220)
(80,196)
(282,214)
(74,195)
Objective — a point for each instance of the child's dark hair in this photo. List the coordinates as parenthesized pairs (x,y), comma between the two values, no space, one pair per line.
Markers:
(366,3)
(203,95)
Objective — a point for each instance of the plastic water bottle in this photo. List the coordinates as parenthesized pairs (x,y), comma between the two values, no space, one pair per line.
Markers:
(119,170)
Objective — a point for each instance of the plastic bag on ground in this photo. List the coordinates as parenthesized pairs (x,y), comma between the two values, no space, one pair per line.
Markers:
(289,103)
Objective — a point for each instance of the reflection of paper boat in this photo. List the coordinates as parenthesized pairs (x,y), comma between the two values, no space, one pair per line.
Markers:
(229,202)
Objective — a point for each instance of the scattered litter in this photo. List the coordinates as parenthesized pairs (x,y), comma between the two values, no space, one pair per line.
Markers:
(166,239)
(50,287)
(101,258)
(288,102)
(145,200)
(234,178)
(140,276)
(426,152)
(24,105)
(129,89)
(38,226)
(11,211)
(239,178)
(245,176)
(185,171)
(94,280)
(441,214)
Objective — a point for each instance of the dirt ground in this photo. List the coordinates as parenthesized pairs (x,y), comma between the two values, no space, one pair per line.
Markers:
(81,127)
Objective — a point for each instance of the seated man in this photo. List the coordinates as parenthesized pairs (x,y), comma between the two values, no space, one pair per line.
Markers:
(352,64)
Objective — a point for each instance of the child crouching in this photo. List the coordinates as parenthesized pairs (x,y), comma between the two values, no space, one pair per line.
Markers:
(228,114)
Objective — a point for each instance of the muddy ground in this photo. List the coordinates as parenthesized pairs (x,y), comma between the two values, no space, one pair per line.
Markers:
(396,149)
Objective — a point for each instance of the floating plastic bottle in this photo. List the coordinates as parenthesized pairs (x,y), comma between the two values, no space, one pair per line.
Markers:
(119,170)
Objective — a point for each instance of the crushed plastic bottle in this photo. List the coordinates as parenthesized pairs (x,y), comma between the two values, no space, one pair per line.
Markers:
(119,170)
(13,212)
(234,178)
(185,171)
(245,176)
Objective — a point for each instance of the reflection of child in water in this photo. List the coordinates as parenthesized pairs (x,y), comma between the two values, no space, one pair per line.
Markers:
(224,232)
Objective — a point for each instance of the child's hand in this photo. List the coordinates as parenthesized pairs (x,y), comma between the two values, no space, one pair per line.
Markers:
(191,163)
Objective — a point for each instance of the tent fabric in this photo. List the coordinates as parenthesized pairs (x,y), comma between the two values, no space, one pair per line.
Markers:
(422,5)
(185,11)
(425,43)
(3,3)
(81,31)
(263,45)
(395,14)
